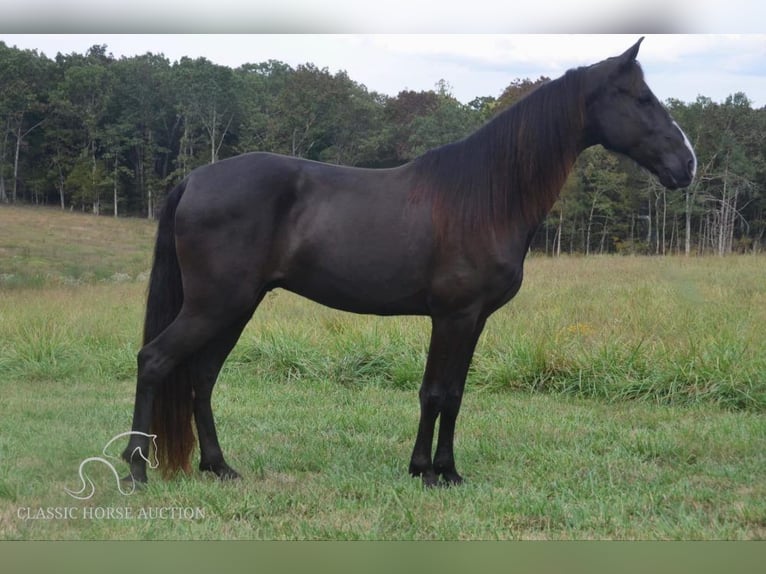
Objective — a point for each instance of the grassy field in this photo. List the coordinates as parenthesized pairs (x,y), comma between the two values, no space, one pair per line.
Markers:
(614,398)
(47,247)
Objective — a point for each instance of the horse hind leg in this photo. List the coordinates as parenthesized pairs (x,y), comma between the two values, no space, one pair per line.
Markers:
(212,358)
(166,383)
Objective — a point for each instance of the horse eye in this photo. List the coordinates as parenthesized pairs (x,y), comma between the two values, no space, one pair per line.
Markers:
(645,99)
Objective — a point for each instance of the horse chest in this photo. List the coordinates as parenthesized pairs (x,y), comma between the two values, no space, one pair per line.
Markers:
(488,283)
(503,283)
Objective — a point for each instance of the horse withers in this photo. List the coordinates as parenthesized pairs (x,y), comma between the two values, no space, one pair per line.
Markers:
(444,236)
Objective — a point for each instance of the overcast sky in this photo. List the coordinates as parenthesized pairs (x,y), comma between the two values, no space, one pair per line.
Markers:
(678,66)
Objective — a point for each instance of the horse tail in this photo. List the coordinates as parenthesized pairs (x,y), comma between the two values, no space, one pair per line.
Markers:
(173,407)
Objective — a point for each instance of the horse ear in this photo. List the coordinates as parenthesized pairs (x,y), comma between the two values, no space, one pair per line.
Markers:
(630,55)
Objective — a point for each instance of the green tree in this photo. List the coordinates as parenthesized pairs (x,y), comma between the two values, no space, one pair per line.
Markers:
(399,116)
(516,90)
(82,98)
(729,148)
(258,89)
(144,126)
(353,133)
(207,103)
(484,107)
(448,121)
(308,108)
(23,77)
(600,184)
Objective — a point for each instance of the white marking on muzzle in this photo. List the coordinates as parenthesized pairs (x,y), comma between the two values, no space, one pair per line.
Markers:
(688,145)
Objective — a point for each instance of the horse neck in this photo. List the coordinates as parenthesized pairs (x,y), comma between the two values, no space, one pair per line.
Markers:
(543,136)
(507,175)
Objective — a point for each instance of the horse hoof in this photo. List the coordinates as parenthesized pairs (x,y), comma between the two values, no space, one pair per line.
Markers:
(228,474)
(134,480)
(452,479)
(223,471)
(430,479)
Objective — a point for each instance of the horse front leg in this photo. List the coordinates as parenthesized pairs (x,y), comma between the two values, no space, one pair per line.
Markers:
(453,340)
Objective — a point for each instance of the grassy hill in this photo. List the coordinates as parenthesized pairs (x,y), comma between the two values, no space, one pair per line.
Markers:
(42,246)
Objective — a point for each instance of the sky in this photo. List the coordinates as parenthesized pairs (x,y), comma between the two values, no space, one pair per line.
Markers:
(477,46)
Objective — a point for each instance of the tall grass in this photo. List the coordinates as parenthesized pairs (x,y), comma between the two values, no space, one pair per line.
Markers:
(668,331)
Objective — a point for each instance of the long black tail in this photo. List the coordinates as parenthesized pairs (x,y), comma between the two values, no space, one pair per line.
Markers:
(173,399)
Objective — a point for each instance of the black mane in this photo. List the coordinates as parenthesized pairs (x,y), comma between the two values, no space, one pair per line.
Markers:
(516,162)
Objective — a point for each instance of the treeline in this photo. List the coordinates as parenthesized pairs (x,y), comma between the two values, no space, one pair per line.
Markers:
(95,133)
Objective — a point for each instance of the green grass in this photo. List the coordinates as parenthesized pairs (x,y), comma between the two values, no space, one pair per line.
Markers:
(323,461)
(614,398)
(43,246)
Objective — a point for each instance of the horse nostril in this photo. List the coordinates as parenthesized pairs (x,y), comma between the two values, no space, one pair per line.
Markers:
(691,167)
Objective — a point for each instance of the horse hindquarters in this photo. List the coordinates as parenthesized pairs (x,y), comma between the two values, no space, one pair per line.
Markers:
(184,350)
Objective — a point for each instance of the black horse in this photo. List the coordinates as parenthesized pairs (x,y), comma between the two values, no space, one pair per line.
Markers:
(444,235)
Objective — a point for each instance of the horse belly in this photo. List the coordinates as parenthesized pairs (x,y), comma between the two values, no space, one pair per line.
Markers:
(368,286)
(353,242)
(369,274)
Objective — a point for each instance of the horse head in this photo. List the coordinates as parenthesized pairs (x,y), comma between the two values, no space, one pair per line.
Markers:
(623,115)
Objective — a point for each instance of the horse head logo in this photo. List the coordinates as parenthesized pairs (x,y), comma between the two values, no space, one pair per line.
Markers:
(85,494)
